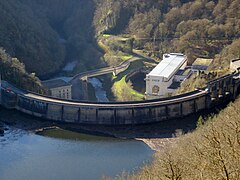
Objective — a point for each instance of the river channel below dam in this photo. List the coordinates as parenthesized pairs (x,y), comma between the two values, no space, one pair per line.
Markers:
(61,154)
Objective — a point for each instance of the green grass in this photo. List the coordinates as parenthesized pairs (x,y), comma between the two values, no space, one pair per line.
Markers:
(123,91)
(118,38)
(126,57)
(115,48)
(103,46)
(106,35)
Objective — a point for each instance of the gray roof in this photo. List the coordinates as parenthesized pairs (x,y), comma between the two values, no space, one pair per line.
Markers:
(174,85)
(184,72)
(55,83)
(169,65)
(180,72)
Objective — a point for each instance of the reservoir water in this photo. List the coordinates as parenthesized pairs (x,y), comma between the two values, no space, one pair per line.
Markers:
(60,154)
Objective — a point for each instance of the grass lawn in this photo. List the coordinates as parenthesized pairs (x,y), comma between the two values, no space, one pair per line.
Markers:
(126,57)
(123,90)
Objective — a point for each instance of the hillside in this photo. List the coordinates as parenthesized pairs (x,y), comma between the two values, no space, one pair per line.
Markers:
(12,70)
(219,67)
(46,34)
(196,28)
(210,152)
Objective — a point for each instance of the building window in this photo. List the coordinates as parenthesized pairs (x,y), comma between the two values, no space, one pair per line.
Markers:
(155,89)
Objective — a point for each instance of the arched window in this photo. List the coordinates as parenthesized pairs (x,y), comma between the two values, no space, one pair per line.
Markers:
(155,89)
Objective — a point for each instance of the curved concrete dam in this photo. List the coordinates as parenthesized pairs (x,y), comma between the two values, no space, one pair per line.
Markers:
(121,113)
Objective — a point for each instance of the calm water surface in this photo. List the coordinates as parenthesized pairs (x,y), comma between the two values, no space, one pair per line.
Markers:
(59,154)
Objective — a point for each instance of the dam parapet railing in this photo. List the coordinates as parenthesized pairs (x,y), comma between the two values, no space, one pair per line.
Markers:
(220,90)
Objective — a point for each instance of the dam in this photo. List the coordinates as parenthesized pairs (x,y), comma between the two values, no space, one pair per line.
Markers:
(216,92)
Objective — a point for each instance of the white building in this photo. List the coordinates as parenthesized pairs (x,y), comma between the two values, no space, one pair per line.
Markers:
(161,80)
(59,88)
(235,65)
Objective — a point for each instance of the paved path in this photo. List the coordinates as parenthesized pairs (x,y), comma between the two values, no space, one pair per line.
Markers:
(162,101)
(107,70)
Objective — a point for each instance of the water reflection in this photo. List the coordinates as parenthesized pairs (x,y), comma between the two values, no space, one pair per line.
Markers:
(60,154)
(71,135)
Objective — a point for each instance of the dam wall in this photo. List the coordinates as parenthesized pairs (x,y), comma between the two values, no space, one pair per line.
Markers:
(216,92)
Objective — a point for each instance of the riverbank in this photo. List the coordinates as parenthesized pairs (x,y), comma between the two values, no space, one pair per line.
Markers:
(157,144)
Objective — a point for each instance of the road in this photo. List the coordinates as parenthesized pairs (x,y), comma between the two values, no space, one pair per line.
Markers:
(148,103)
(107,70)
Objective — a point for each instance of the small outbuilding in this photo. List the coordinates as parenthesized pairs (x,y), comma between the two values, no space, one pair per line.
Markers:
(235,65)
(201,64)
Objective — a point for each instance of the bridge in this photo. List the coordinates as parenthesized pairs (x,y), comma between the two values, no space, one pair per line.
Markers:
(114,70)
(107,70)
(216,92)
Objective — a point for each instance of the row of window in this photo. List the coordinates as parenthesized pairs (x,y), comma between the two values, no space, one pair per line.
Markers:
(63,95)
(153,80)
(63,91)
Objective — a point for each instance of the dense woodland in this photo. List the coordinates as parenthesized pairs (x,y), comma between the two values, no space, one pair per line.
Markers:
(12,70)
(196,28)
(45,35)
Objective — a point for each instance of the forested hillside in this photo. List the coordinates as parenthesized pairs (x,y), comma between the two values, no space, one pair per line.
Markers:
(197,28)
(12,70)
(45,34)
(210,152)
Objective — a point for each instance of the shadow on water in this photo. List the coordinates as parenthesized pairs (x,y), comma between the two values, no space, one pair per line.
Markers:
(58,133)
